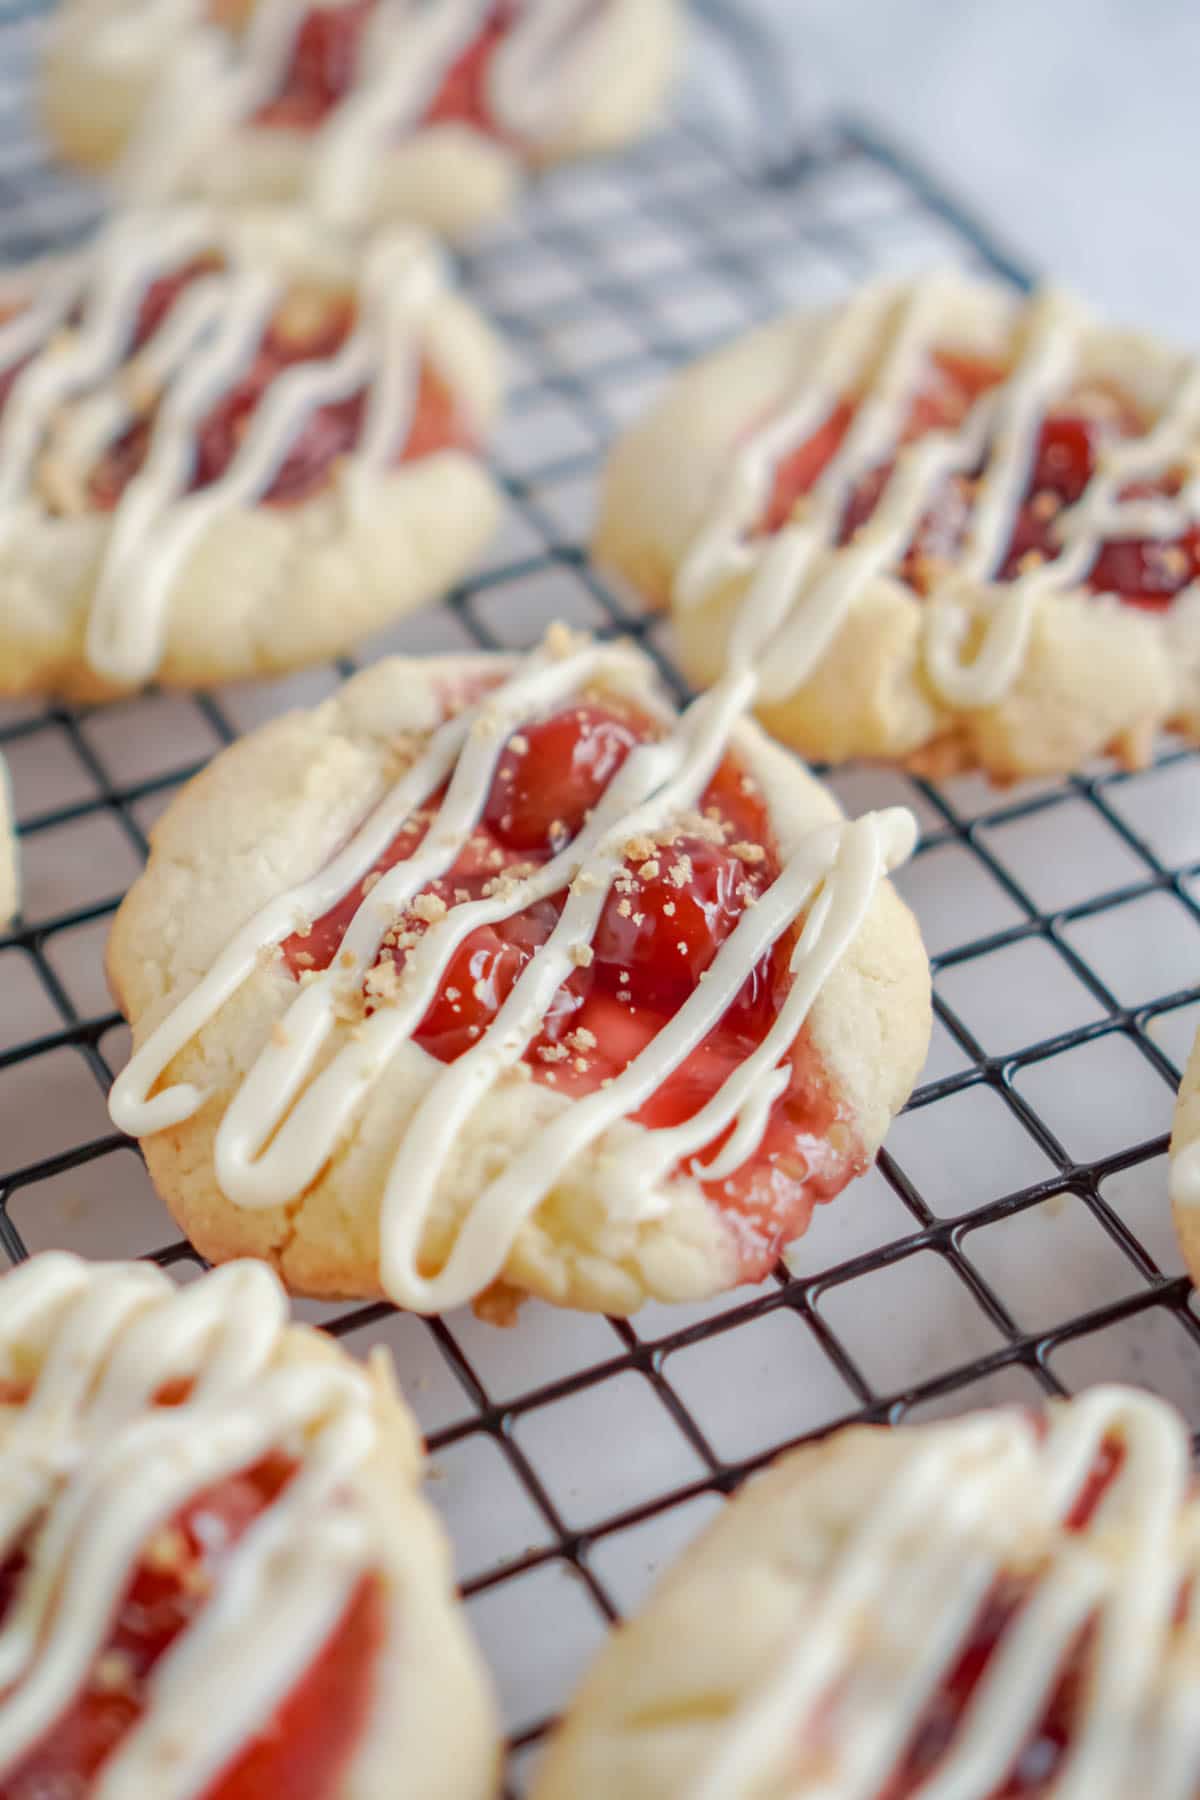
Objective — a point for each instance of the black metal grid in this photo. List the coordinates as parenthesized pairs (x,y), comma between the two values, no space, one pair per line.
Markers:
(574,1454)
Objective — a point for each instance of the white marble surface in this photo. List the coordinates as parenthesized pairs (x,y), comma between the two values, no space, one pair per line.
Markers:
(1075,124)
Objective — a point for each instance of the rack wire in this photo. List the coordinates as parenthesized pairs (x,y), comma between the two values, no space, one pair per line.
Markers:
(1014,1240)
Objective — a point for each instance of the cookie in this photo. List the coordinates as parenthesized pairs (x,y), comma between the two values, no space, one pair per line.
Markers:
(952,525)
(993,1607)
(231,447)
(493,975)
(366,113)
(10,868)
(1184,1177)
(220,1577)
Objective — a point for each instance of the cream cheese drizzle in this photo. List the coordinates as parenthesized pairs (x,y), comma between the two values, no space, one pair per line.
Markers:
(93,1468)
(954,1517)
(533,85)
(285,1119)
(203,347)
(875,349)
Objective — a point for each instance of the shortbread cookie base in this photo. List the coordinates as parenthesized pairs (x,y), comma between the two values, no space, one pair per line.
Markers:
(267,589)
(1099,675)
(742,1602)
(270,811)
(433,1711)
(448,177)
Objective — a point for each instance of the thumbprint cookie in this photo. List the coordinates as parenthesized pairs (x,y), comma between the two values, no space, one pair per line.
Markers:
(494,975)
(366,111)
(230,447)
(219,1580)
(1184,1164)
(951,524)
(10,873)
(997,1608)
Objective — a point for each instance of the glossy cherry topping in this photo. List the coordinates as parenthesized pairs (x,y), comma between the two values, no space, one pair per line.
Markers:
(323,66)
(162,294)
(1145,573)
(156,303)
(305,329)
(462,98)
(676,900)
(325,63)
(303,1751)
(1038,1762)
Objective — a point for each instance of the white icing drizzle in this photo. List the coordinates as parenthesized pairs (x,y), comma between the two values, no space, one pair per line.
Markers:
(803,584)
(78,395)
(10,871)
(93,1468)
(285,1120)
(969,1501)
(534,82)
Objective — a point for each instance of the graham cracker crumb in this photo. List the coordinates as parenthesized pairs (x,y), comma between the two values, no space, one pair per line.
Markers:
(559,641)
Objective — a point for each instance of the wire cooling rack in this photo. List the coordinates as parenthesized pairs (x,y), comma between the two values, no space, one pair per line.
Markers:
(1014,1239)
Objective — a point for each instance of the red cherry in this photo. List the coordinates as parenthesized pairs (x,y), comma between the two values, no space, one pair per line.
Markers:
(482,974)
(327,48)
(437,422)
(330,432)
(1146,573)
(1066,455)
(223,429)
(313,1736)
(463,95)
(480,977)
(737,799)
(950,389)
(323,66)
(798,471)
(542,794)
(865,496)
(941,531)
(162,294)
(8,376)
(666,931)
(118,466)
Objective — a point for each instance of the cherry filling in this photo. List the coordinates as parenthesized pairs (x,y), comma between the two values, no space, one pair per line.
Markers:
(303,1750)
(676,900)
(1147,573)
(325,63)
(1037,1762)
(306,328)
(160,297)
